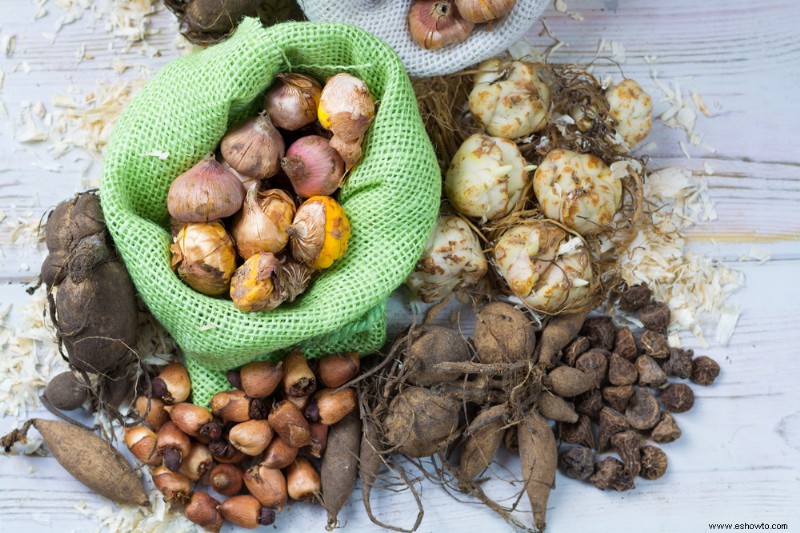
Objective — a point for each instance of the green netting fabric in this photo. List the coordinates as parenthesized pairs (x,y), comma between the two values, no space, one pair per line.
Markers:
(391,197)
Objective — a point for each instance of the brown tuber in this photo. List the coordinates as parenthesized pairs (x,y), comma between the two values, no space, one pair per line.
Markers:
(577,463)
(174,486)
(90,459)
(575,349)
(655,316)
(679,363)
(331,405)
(600,331)
(625,344)
(538,458)
(421,422)
(66,392)
(566,381)
(654,462)
(557,334)
(590,404)
(302,480)
(503,333)
(141,441)
(704,370)
(594,364)
(627,445)
(268,485)
(650,374)
(611,423)
(340,465)
(152,412)
(434,345)
(635,297)
(578,433)
(643,411)
(618,397)
(556,408)
(666,430)
(484,436)
(610,473)
(279,454)
(298,379)
(197,462)
(289,423)
(654,344)
(677,398)
(621,371)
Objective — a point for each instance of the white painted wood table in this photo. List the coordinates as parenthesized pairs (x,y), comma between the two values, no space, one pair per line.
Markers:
(739,458)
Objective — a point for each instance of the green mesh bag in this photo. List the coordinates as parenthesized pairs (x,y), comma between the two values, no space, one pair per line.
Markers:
(391,197)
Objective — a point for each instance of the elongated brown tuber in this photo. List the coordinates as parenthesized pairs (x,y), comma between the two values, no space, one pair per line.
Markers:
(557,334)
(89,459)
(538,457)
(340,465)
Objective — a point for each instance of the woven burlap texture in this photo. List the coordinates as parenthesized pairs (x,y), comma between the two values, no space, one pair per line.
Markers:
(388,20)
(391,197)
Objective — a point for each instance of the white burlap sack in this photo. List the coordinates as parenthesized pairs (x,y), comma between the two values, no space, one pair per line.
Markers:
(388,20)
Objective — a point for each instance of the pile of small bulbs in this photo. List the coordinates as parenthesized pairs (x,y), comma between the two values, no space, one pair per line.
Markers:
(259,445)
(281,245)
(545,262)
(437,23)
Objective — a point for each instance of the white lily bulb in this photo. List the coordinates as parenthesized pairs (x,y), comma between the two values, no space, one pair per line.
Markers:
(452,259)
(631,109)
(577,190)
(508,98)
(486,177)
(544,266)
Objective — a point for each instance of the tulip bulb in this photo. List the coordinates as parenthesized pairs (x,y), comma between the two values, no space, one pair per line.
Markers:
(267,485)
(197,462)
(227,479)
(223,452)
(346,107)
(231,406)
(479,11)
(141,441)
(331,405)
(577,190)
(298,378)
(546,267)
(246,511)
(319,440)
(292,101)
(254,148)
(251,437)
(204,257)
(175,487)
(302,480)
(189,418)
(279,454)
(173,445)
(172,384)
(152,411)
(204,193)
(260,378)
(320,232)
(202,510)
(437,23)
(289,423)
(313,166)
(486,177)
(452,259)
(508,99)
(337,369)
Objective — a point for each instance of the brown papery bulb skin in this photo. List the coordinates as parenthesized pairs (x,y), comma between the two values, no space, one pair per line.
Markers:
(152,411)
(346,107)
(292,102)
(189,417)
(268,485)
(313,166)
(204,193)
(204,257)
(254,148)
(261,224)
(302,480)
(337,369)
(197,462)
(437,23)
(479,11)
(290,281)
(141,441)
(351,151)
(231,406)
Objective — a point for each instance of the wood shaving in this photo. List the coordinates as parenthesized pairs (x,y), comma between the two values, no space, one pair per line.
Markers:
(700,104)
(756,254)
(695,286)
(28,357)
